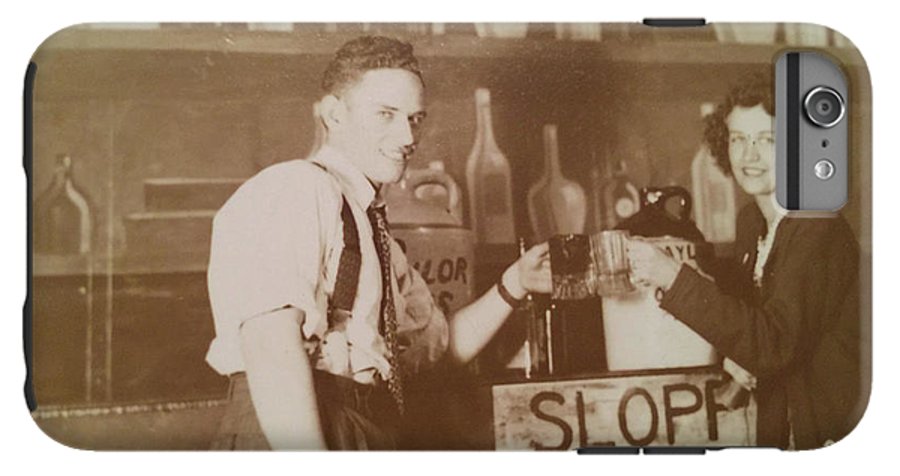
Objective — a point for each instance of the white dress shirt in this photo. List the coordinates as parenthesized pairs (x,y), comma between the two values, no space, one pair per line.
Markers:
(277,242)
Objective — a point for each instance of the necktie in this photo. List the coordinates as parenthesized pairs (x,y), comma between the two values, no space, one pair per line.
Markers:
(388,324)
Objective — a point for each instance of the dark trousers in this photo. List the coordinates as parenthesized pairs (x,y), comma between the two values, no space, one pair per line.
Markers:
(354,416)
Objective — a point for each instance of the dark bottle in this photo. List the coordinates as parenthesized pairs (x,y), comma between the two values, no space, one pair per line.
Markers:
(573,325)
(577,337)
(62,217)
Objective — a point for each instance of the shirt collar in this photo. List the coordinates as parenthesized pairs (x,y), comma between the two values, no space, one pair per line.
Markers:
(760,226)
(352,180)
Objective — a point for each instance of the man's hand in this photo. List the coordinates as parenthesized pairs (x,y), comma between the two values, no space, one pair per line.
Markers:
(474,325)
(530,273)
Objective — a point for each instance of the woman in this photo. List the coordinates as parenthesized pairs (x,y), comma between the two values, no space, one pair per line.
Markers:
(788,310)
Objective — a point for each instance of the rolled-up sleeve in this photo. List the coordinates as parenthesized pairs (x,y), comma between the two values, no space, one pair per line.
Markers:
(267,252)
(813,269)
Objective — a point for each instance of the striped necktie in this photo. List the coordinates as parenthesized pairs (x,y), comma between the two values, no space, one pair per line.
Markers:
(388,323)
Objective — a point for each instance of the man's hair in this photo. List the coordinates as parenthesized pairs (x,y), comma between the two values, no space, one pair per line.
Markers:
(752,92)
(366,53)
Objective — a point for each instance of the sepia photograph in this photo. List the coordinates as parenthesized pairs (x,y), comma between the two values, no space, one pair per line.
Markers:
(445,236)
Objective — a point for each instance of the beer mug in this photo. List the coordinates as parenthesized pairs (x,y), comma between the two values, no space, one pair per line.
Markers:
(571,267)
(612,270)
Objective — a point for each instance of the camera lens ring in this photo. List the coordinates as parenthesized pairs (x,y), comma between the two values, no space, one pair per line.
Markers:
(811,113)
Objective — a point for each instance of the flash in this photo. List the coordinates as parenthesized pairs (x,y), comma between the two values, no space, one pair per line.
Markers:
(824,169)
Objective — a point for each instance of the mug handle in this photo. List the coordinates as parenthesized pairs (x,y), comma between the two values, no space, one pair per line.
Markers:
(442,179)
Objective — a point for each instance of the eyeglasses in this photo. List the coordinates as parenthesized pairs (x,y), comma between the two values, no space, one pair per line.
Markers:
(739,142)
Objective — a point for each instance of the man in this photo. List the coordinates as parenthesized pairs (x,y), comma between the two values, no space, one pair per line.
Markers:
(318,314)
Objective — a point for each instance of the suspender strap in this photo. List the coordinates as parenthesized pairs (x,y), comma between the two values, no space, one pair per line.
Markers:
(347,279)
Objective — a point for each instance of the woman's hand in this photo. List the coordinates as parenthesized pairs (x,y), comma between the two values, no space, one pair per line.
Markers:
(650,265)
(530,273)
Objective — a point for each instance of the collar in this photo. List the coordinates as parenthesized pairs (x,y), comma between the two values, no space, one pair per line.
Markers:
(351,179)
(756,221)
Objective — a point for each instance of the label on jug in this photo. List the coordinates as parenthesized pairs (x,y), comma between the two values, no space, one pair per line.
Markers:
(444,258)
(640,335)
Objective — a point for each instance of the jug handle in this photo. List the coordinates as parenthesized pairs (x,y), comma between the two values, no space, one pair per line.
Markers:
(666,193)
(686,201)
(437,178)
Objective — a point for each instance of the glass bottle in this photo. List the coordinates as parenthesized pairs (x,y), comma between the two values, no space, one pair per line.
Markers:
(62,216)
(489,181)
(556,205)
(620,197)
(597,181)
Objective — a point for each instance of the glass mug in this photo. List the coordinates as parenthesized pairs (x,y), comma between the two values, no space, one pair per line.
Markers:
(583,266)
(609,250)
(571,267)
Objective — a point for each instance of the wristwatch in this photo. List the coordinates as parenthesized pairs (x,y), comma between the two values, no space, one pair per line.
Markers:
(507,296)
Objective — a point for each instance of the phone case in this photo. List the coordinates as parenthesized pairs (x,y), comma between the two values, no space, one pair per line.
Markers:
(590,137)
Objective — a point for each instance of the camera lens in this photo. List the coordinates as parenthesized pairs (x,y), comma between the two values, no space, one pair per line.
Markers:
(824,106)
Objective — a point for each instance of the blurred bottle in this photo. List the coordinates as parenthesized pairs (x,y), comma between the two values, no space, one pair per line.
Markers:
(578,31)
(501,30)
(714,202)
(270,26)
(597,175)
(418,28)
(556,205)
(537,361)
(489,181)
(463,29)
(620,197)
(62,216)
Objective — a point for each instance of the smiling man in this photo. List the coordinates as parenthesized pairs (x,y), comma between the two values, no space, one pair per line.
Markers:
(319,317)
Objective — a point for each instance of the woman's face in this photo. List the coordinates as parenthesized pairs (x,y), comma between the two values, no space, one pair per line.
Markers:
(751,149)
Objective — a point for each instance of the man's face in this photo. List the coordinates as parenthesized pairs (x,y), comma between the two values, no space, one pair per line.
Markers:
(751,149)
(380,121)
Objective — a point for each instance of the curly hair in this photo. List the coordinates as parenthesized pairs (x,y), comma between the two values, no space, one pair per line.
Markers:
(752,92)
(366,53)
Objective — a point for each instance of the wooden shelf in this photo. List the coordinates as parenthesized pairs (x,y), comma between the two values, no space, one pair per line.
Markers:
(46,266)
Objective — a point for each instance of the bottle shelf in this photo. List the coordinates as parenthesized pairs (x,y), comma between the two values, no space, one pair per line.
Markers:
(215,62)
(642,47)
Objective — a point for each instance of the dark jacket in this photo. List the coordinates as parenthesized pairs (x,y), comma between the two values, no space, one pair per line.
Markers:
(798,333)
